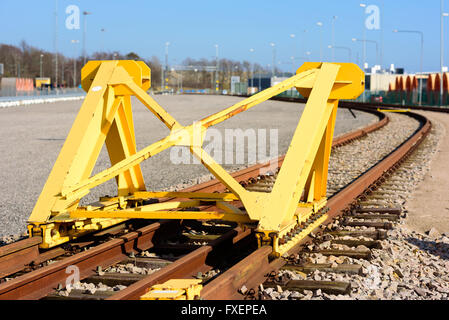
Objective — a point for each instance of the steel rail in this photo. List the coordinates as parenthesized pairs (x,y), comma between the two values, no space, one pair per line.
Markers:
(40,282)
(253,270)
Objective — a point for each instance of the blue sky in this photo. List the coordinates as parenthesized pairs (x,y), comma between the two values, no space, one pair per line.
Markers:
(194,27)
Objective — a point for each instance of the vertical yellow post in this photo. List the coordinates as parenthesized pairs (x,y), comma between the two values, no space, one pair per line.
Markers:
(106,117)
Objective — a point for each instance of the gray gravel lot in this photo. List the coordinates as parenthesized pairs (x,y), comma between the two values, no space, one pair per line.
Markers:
(33,136)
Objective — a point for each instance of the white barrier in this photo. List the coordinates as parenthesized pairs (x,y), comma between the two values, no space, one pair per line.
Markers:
(23,102)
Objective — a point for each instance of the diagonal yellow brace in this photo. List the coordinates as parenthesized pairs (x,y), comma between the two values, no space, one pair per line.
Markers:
(106,117)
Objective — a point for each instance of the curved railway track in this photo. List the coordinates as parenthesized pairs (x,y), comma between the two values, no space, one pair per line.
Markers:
(201,250)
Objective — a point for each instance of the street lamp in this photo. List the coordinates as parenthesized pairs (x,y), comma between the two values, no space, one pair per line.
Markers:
(216,68)
(342,48)
(443,14)
(370,41)
(252,69)
(85,13)
(292,36)
(41,65)
(74,42)
(163,80)
(363,5)
(273,66)
(102,39)
(421,59)
(333,37)
(304,42)
(308,53)
(320,24)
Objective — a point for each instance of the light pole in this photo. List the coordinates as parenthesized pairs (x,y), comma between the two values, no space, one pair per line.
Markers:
(85,13)
(320,24)
(370,41)
(41,65)
(56,44)
(216,68)
(74,42)
(273,66)
(443,14)
(342,48)
(363,5)
(333,38)
(294,50)
(165,69)
(304,42)
(252,69)
(102,39)
(421,58)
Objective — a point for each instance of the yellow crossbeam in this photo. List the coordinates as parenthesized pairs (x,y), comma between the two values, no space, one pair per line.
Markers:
(106,118)
(187,215)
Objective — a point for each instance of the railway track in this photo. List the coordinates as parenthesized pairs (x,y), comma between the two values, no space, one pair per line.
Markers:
(120,258)
(341,203)
(22,260)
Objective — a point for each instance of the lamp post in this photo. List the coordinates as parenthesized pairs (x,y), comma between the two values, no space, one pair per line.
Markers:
(421,58)
(164,83)
(308,53)
(363,5)
(320,24)
(443,14)
(252,69)
(41,65)
(102,30)
(370,41)
(273,65)
(85,14)
(74,42)
(292,36)
(216,68)
(333,38)
(342,48)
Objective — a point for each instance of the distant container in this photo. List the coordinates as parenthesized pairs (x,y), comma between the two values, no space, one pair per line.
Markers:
(43,82)
(252,90)
(265,82)
(241,88)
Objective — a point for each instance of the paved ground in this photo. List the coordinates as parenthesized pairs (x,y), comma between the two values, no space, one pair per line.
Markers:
(33,136)
(429,206)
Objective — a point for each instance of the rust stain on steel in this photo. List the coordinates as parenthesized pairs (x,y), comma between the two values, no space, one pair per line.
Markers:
(237,111)
(185,267)
(39,283)
(225,287)
(228,115)
(15,256)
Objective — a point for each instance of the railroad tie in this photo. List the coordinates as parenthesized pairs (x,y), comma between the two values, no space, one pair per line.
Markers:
(329,287)
(325,267)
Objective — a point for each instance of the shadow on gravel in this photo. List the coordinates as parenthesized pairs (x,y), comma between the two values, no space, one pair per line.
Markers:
(440,249)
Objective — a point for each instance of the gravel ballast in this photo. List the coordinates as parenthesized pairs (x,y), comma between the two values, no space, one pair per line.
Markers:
(410,265)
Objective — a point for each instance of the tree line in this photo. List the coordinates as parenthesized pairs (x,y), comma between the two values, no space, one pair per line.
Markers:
(26,61)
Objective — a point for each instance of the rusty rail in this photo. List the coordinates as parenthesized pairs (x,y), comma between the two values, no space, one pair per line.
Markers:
(253,270)
(38,283)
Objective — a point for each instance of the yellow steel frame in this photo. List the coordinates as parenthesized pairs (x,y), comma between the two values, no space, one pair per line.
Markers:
(175,289)
(106,117)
